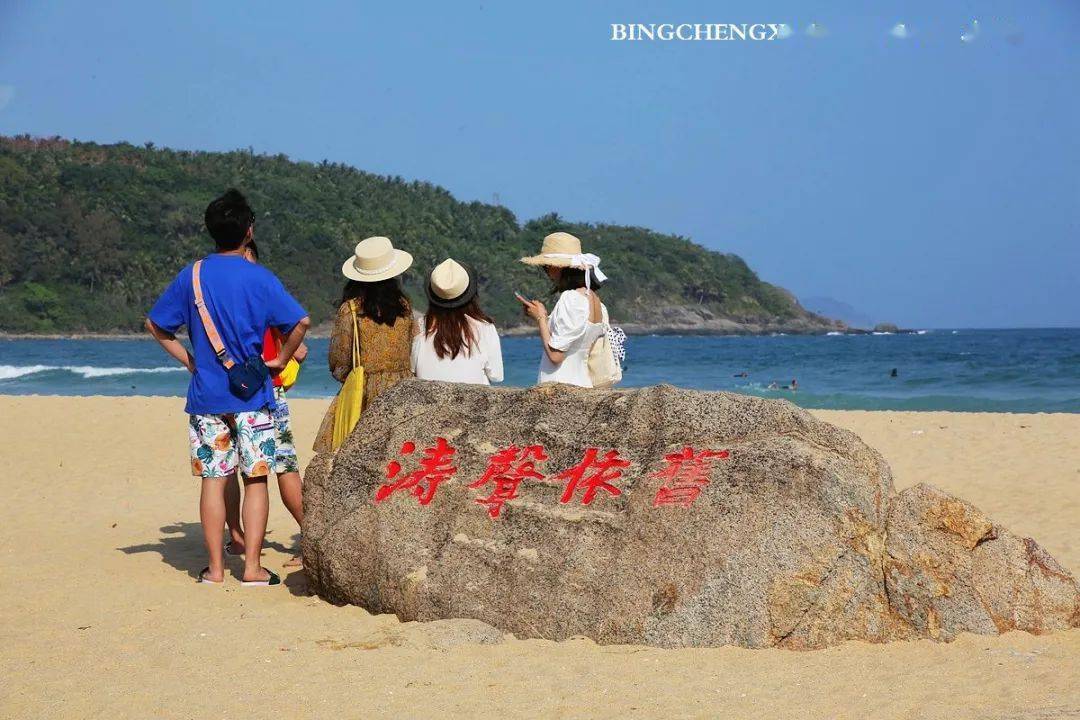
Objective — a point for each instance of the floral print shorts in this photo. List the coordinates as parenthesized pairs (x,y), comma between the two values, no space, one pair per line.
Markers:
(222,443)
(285,455)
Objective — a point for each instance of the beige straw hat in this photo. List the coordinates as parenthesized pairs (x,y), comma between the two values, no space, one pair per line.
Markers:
(376,259)
(558,250)
(561,249)
(451,284)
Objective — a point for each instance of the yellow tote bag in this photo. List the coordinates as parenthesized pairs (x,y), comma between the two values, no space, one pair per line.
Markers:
(351,397)
(290,373)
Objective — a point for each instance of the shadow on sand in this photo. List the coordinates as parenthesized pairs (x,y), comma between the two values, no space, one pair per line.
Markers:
(181,547)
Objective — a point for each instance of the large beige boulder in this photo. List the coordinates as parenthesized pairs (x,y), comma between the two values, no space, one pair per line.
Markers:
(658,516)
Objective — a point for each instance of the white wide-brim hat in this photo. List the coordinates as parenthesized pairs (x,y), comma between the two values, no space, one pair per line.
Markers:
(375,259)
(561,249)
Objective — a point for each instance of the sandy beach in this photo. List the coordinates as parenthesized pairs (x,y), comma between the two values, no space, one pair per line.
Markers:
(100,615)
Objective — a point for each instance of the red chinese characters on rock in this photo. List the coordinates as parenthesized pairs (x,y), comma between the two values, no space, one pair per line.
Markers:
(686,473)
(507,469)
(435,468)
(593,475)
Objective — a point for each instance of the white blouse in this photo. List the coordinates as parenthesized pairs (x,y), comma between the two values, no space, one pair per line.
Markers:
(573,334)
(480,364)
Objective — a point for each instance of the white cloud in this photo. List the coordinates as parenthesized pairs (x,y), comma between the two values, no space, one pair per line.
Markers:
(971,33)
(816,30)
(7,94)
(784,31)
(900,31)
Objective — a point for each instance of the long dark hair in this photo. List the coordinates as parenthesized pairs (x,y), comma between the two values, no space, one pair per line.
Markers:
(571,278)
(382,301)
(453,332)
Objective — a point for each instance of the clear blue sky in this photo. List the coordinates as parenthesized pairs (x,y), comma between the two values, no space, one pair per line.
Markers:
(927,180)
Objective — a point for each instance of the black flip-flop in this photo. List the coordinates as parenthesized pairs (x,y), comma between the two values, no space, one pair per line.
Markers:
(204,581)
(272,580)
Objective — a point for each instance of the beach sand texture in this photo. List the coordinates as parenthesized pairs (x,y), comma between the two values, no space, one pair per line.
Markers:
(100,615)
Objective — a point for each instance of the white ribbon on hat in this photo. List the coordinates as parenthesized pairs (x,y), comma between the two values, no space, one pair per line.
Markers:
(376,271)
(588,261)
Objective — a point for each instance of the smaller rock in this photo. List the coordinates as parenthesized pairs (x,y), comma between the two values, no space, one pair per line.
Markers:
(948,569)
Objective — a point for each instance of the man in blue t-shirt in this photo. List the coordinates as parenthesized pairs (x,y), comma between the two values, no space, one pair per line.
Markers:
(228,432)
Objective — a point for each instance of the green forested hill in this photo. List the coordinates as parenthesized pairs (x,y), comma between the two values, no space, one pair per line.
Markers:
(90,234)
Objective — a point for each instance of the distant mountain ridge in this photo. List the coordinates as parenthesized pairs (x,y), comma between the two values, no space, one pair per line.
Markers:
(90,234)
(840,310)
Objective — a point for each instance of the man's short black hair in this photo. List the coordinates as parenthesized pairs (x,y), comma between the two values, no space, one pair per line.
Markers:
(228,219)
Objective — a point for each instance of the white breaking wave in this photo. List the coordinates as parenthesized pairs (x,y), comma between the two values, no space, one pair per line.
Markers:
(834,334)
(7,372)
(10,372)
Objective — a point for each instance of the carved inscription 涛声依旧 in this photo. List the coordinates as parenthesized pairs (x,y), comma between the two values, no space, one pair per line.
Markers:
(685,473)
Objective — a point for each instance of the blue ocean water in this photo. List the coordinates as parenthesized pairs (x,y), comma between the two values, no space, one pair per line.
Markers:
(970,370)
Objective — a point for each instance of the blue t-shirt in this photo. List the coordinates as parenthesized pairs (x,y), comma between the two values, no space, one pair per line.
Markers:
(244,299)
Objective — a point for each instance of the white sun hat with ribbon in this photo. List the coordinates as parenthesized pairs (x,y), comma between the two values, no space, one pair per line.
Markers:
(375,259)
(561,249)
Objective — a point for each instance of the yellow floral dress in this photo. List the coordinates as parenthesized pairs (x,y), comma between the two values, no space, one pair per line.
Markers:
(385,354)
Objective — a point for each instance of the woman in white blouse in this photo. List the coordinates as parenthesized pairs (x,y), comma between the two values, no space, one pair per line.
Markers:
(578,318)
(456,340)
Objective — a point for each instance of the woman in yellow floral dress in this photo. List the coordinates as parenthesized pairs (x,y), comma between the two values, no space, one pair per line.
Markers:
(385,321)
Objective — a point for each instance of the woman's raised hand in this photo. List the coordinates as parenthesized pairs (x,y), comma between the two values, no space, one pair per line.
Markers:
(533,308)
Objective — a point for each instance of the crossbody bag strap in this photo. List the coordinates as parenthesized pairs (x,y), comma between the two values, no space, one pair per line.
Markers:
(207,321)
(591,296)
(355,336)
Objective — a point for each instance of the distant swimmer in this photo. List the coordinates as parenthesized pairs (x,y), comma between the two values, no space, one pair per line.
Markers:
(742,374)
(794,385)
(893,373)
(777,386)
